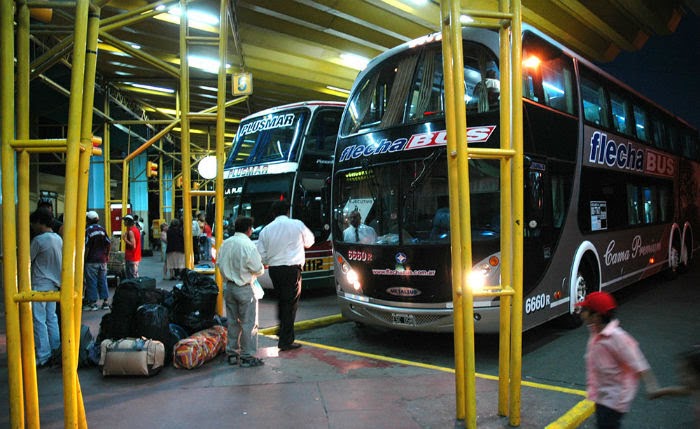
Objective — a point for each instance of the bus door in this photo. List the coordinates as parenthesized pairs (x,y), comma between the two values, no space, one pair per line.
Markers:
(537,233)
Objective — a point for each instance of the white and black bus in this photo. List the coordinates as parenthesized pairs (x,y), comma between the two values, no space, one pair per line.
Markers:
(612,185)
(285,153)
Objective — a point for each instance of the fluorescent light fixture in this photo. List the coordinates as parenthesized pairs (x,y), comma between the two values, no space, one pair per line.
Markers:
(196,16)
(335,88)
(207,64)
(355,61)
(152,88)
(195,19)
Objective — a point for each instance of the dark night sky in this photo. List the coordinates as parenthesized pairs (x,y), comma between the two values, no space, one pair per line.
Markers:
(666,70)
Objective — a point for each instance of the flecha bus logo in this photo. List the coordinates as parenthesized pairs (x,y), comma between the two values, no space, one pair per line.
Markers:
(439,138)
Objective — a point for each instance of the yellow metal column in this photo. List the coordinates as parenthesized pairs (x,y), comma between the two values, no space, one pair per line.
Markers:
(9,217)
(183,114)
(453,183)
(29,376)
(516,350)
(106,156)
(507,20)
(70,226)
(220,154)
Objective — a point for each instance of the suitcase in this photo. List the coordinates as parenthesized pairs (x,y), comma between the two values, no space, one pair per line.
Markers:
(131,356)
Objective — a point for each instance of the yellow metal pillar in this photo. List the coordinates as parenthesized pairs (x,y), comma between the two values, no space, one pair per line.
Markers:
(220,154)
(516,350)
(70,227)
(183,114)
(31,394)
(9,215)
(507,20)
(106,156)
(453,183)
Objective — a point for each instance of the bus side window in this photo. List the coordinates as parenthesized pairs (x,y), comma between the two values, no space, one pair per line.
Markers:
(640,123)
(594,102)
(619,113)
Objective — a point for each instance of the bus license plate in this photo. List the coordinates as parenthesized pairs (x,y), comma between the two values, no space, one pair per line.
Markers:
(403,319)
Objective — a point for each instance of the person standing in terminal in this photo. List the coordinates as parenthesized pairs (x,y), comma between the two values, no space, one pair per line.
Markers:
(97,246)
(281,244)
(175,252)
(240,264)
(614,362)
(133,247)
(46,253)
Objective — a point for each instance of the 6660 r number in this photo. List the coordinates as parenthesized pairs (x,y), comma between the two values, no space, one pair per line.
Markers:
(537,302)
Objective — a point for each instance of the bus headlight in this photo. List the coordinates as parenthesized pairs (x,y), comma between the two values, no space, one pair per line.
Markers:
(476,280)
(485,273)
(352,278)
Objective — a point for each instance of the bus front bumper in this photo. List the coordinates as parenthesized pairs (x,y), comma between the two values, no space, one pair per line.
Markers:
(486,319)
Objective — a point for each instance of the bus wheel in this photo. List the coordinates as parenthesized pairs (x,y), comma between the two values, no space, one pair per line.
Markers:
(674,261)
(584,285)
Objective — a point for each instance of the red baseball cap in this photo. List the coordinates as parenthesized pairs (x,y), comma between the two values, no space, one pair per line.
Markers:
(598,302)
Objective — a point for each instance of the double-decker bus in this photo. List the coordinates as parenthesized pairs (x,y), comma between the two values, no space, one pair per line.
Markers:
(612,184)
(285,153)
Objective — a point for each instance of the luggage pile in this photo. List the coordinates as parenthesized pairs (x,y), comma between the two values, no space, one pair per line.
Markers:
(148,324)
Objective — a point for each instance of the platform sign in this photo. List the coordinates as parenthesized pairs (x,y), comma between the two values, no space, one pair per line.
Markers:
(242,83)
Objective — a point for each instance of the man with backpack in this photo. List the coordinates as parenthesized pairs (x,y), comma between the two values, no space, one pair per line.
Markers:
(97,246)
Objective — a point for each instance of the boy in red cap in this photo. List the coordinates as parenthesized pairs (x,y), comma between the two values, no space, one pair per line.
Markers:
(614,362)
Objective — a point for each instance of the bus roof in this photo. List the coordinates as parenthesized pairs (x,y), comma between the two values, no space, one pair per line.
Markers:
(489,38)
(315,103)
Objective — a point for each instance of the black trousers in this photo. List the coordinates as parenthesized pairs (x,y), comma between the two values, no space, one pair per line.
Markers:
(607,418)
(286,279)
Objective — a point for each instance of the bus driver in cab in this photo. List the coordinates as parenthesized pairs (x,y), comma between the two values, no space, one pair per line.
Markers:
(358,232)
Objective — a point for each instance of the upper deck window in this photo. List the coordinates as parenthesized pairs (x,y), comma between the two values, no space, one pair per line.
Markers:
(410,87)
(269,138)
(548,75)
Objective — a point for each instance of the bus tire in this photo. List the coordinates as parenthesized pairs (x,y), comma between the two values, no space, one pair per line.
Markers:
(585,284)
(674,260)
(686,255)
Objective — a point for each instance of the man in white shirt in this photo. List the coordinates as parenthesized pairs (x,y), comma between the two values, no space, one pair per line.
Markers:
(358,232)
(281,244)
(240,264)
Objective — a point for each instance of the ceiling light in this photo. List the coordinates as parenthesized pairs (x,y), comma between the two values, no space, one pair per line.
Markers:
(355,61)
(195,19)
(466,19)
(207,64)
(152,88)
(196,16)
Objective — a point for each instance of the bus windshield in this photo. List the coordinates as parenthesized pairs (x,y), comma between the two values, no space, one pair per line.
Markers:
(407,202)
(409,89)
(267,139)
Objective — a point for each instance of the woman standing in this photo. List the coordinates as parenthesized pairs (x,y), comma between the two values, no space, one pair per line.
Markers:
(175,251)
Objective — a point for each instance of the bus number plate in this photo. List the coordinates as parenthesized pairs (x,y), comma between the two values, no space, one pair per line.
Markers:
(403,319)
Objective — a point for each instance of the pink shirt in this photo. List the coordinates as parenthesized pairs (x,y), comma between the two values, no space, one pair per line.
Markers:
(614,364)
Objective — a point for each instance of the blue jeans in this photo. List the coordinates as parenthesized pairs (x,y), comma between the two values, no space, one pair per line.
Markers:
(96,281)
(47,337)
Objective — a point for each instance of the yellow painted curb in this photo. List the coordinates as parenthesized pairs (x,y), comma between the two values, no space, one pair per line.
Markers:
(574,417)
(306,324)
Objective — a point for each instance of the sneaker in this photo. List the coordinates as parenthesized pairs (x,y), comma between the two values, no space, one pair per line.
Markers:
(248,362)
(91,307)
(105,306)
